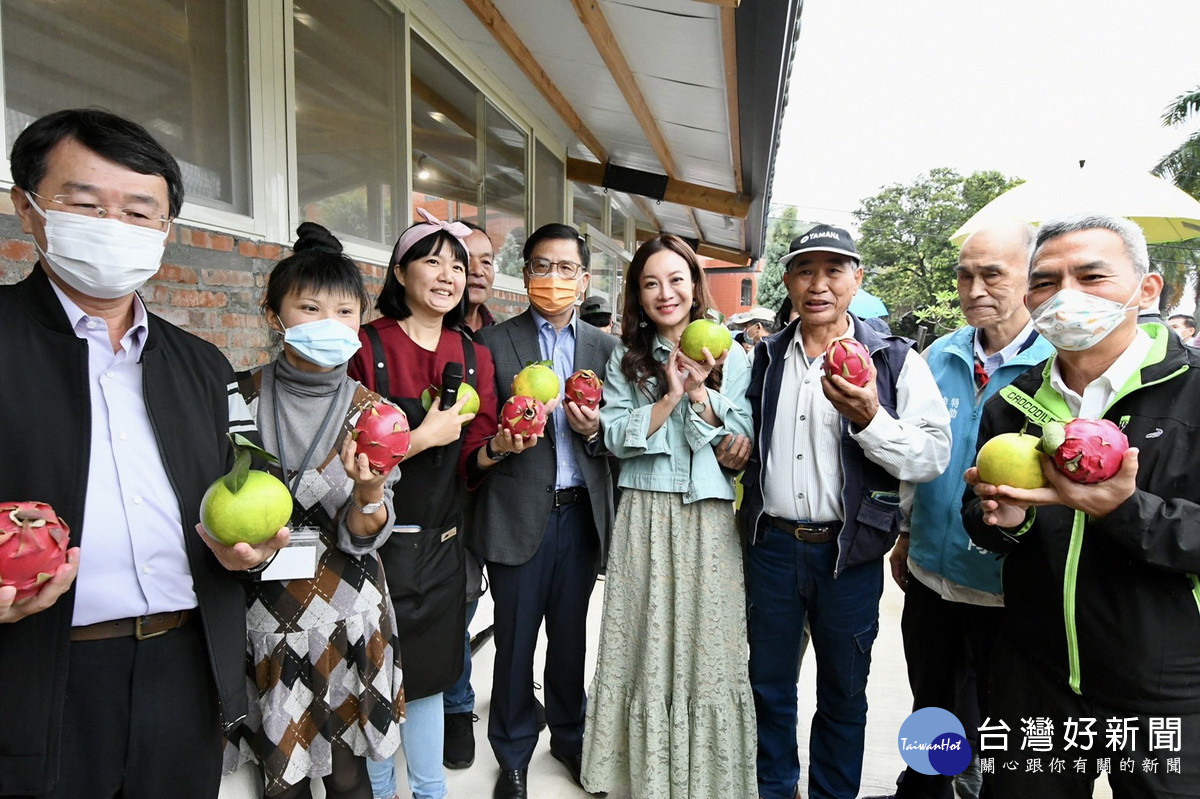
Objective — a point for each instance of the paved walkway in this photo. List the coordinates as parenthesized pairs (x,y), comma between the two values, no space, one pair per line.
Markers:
(889,698)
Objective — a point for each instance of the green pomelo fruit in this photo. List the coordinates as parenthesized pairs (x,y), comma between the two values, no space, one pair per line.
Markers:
(705,333)
(252,515)
(536,380)
(429,395)
(1012,459)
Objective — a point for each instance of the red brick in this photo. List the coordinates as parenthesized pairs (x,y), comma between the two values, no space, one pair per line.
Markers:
(270,251)
(196,238)
(202,320)
(158,295)
(227,277)
(221,242)
(253,339)
(176,316)
(17,250)
(241,320)
(190,298)
(216,337)
(176,274)
(248,249)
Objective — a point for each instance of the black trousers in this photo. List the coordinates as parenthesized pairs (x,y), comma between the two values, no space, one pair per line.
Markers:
(948,647)
(140,720)
(1139,763)
(556,584)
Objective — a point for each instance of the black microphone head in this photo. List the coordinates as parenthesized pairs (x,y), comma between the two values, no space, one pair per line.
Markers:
(452,378)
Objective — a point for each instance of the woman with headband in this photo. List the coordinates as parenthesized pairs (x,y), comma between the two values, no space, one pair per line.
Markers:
(405,354)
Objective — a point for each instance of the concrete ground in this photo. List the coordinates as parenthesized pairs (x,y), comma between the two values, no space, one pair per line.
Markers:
(890,702)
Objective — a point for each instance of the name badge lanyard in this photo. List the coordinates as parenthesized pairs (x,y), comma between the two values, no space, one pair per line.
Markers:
(295,485)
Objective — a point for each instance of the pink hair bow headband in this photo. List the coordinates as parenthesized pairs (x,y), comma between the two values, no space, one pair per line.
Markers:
(430,226)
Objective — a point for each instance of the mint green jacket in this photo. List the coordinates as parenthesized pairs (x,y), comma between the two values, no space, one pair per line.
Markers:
(679,457)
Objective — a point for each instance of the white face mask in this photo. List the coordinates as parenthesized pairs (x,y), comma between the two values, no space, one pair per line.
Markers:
(1074,320)
(325,342)
(102,258)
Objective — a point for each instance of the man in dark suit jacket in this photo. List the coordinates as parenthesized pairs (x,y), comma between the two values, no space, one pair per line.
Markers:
(542,517)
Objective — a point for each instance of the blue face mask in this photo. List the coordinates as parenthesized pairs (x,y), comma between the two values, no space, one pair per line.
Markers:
(325,342)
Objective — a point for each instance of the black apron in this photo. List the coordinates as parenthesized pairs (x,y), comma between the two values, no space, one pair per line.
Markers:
(423,559)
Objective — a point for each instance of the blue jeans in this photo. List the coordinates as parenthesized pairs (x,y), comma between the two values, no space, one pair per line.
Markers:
(460,697)
(422,736)
(787,580)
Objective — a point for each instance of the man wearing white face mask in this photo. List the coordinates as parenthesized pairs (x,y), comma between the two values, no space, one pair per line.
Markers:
(127,667)
(1101,595)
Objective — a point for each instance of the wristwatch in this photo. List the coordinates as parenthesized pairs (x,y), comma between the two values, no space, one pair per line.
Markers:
(369,508)
(492,455)
(700,406)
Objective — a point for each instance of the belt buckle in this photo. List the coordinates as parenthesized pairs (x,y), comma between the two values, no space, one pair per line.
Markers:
(143,636)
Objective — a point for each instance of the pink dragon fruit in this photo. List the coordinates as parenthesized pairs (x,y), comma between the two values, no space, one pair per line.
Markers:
(382,434)
(1085,450)
(850,359)
(33,544)
(584,388)
(523,416)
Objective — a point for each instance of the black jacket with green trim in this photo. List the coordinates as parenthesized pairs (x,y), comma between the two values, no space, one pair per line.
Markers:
(1111,606)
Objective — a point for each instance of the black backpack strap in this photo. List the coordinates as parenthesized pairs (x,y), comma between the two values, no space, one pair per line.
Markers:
(468,345)
(249,384)
(381,375)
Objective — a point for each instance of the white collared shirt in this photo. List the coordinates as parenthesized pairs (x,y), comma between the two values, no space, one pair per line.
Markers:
(134,561)
(1098,394)
(998,358)
(802,478)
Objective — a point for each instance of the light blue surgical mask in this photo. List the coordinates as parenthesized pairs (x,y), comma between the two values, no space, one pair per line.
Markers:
(325,342)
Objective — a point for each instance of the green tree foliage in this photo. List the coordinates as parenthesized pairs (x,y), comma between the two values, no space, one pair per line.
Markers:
(1182,165)
(781,229)
(904,241)
(1177,261)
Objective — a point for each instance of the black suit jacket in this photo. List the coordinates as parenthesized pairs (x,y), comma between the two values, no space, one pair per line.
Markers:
(514,500)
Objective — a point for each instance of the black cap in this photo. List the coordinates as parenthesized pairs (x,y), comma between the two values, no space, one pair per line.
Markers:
(822,238)
(594,305)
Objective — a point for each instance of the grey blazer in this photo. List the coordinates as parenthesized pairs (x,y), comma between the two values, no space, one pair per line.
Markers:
(514,500)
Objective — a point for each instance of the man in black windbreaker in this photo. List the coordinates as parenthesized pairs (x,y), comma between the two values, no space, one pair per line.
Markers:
(1098,668)
(121,674)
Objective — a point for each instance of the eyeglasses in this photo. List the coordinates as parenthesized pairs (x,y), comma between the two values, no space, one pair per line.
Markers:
(544,266)
(85,206)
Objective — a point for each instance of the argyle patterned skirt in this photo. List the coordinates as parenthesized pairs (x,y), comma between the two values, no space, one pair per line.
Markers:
(323,662)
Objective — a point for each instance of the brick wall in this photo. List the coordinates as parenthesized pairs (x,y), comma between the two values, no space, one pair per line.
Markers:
(726,289)
(210,284)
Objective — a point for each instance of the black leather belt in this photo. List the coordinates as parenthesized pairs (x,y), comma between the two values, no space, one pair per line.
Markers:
(565,496)
(809,532)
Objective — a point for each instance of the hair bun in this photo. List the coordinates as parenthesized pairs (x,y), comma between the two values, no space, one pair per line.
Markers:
(311,236)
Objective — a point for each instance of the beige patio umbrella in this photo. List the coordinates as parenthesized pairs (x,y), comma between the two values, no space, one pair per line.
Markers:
(1164,211)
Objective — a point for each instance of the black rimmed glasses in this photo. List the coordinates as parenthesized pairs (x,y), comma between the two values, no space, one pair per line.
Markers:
(544,266)
(132,214)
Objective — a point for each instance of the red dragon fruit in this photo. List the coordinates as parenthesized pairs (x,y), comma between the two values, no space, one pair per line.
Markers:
(1085,450)
(850,359)
(583,388)
(523,416)
(33,544)
(382,434)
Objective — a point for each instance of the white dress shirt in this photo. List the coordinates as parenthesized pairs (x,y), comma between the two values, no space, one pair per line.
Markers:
(1098,394)
(802,478)
(132,560)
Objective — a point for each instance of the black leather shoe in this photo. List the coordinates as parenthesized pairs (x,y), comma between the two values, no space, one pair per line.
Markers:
(511,785)
(574,764)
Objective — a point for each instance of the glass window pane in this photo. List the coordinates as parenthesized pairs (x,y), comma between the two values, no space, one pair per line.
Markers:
(178,67)
(549,176)
(349,123)
(504,189)
(618,225)
(445,150)
(588,207)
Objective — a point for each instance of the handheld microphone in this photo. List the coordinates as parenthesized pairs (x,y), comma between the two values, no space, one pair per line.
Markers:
(452,378)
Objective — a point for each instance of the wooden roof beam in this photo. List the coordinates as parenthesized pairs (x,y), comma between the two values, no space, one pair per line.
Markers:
(606,44)
(494,21)
(693,195)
